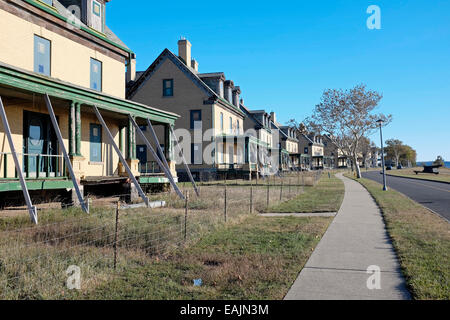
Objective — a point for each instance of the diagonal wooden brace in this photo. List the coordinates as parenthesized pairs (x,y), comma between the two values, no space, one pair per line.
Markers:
(121,157)
(184,162)
(31,209)
(158,160)
(66,156)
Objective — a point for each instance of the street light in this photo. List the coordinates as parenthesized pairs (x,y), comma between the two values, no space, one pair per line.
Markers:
(380,122)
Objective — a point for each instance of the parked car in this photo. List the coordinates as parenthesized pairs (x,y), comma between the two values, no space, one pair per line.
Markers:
(399,167)
(388,167)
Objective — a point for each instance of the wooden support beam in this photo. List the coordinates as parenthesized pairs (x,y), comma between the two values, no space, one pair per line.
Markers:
(121,157)
(184,161)
(31,209)
(66,156)
(163,167)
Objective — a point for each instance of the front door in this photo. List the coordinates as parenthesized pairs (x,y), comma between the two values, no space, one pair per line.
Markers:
(141,154)
(39,144)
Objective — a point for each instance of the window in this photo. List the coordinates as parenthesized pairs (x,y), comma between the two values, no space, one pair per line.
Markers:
(306,150)
(95,19)
(96,75)
(160,156)
(220,153)
(221,122)
(196,119)
(231,125)
(95,140)
(168,88)
(96,9)
(238,128)
(42,55)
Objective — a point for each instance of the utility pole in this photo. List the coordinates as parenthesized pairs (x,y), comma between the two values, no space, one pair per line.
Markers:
(380,122)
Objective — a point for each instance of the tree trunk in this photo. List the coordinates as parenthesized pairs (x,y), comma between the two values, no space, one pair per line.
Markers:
(357,168)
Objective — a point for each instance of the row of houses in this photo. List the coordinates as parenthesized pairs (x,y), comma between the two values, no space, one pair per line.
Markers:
(82,120)
(247,141)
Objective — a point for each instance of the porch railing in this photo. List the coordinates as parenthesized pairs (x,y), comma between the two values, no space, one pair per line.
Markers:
(149,167)
(35,166)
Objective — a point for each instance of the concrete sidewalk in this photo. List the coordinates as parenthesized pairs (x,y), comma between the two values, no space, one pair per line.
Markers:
(355,240)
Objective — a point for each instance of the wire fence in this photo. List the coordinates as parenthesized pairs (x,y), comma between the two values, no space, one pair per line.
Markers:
(115,237)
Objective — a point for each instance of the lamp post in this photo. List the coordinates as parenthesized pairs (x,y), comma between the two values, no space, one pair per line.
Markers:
(380,122)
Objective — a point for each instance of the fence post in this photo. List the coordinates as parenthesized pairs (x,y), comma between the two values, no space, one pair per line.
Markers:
(251,198)
(186,214)
(225,200)
(281,190)
(116,234)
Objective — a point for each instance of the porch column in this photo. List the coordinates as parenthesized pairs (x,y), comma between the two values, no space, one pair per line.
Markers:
(133,163)
(169,149)
(74,150)
(131,141)
(78,130)
(72,129)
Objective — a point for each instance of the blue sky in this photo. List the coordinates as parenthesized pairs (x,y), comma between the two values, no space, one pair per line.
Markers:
(285,54)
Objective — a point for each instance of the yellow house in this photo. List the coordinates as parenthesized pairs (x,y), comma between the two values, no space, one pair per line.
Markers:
(312,146)
(65,50)
(286,143)
(208,106)
(259,146)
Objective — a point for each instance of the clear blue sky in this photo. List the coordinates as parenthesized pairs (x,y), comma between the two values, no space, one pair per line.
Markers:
(284,54)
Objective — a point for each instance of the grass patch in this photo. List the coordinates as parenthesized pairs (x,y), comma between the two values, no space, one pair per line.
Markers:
(421,239)
(443,176)
(34,258)
(326,196)
(258,258)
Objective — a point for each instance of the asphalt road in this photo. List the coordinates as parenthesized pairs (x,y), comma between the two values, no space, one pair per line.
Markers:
(433,195)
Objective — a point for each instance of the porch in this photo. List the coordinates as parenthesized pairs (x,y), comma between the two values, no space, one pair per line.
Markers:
(92,154)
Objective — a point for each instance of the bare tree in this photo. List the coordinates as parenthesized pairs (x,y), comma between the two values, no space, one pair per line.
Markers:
(347,116)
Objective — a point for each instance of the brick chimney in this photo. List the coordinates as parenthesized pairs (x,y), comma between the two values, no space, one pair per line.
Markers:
(131,69)
(194,65)
(229,86)
(273,117)
(236,95)
(184,51)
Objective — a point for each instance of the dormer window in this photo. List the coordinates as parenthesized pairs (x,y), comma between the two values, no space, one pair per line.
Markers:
(96,15)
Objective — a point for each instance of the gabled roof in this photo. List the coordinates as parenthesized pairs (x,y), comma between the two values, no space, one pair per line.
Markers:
(250,114)
(59,10)
(276,126)
(133,87)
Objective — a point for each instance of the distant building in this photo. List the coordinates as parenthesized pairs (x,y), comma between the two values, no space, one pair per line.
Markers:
(312,146)
(207,103)
(285,144)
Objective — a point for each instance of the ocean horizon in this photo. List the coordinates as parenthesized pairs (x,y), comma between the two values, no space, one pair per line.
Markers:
(429,163)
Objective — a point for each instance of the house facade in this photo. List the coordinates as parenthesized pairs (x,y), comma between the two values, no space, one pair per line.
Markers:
(333,154)
(260,140)
(79,63)
(285,144)
(312,146)
(211,121)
